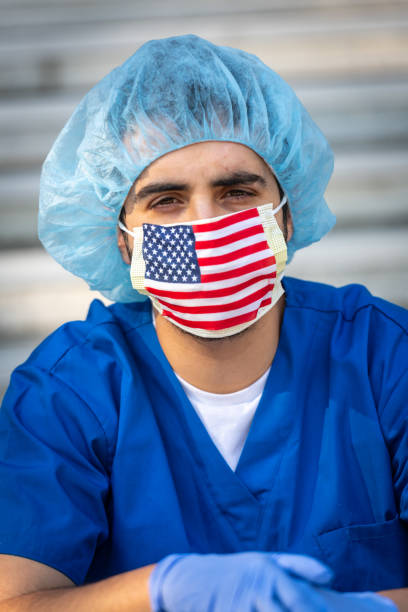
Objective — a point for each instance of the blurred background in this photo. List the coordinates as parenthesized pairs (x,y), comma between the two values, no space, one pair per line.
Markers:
(346,59)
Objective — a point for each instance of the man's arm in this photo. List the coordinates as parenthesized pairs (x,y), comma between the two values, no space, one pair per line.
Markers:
(28,585)
(399,597)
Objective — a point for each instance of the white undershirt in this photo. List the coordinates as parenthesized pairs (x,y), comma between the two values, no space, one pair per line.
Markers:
(227,416)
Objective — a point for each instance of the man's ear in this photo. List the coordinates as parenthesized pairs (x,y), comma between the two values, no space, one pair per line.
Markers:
(123,246)
(289,223)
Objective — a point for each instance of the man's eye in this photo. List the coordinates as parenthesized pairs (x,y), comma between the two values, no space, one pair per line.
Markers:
(167,201)
(238,193)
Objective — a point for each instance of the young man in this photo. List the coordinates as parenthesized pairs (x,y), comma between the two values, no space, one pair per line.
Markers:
(200,449)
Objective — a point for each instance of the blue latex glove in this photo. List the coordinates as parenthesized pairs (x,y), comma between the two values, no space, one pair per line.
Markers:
(240,582)
(357,602)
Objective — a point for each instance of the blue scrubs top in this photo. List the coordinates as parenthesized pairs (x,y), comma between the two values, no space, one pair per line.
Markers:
(105,466)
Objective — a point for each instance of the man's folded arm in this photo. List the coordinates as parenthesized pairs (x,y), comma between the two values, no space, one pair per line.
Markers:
(29,585)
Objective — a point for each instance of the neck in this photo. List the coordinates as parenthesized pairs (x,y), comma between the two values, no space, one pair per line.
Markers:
(222,365)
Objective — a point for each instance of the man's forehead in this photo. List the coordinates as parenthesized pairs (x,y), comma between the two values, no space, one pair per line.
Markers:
(214,160)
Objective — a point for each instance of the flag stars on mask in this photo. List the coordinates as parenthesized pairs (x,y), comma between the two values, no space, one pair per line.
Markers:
(170,248)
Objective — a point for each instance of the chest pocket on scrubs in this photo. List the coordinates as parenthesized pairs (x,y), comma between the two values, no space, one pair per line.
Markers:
(367,557)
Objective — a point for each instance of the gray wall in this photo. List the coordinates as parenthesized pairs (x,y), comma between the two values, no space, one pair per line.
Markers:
(347,60)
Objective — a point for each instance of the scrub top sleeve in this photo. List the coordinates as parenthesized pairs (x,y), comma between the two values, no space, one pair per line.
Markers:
(394,421)
(54,481)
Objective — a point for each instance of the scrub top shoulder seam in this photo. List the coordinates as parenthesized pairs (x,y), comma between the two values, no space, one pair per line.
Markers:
(79,343)
(349,320)
(88,337)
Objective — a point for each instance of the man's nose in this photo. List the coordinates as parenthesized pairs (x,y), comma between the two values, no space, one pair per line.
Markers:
(204,208)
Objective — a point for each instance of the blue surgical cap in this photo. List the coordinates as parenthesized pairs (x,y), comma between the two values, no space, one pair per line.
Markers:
(170,94)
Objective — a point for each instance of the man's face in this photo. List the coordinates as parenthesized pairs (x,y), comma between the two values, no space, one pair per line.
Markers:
(201,181)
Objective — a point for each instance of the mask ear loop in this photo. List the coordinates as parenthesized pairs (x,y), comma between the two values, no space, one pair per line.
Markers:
(283,201)
(281,205)
(285,212)
(125,229)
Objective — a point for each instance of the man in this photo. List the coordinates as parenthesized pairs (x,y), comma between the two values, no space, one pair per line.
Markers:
(201,454)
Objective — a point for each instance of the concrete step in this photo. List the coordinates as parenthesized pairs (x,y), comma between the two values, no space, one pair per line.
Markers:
(29,126)
(13,354)
(38,295)
(376,258)
(30,13)
(355,114)
(307,44)
(369,189)
(22,20)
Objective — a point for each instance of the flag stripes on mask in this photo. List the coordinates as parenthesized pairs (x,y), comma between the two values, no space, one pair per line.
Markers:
(211,274)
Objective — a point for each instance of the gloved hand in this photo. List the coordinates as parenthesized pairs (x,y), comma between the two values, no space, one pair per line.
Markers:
(240,582)
(357,602)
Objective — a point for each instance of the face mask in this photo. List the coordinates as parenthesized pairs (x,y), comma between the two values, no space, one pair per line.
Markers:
(214,277)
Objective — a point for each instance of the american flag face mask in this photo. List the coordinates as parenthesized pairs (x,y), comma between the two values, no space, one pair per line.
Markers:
(214,277)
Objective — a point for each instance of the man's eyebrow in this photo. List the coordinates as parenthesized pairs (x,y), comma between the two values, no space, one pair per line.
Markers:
(240,177)
(229,180)
(158,188)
